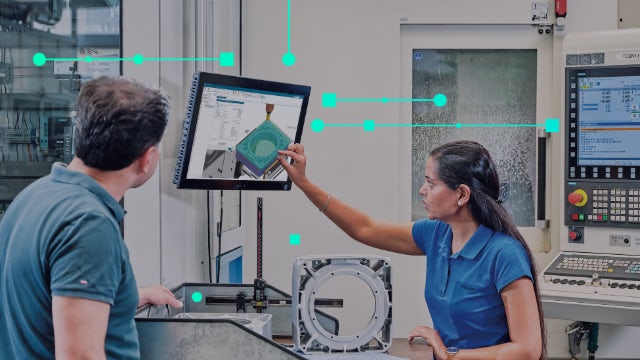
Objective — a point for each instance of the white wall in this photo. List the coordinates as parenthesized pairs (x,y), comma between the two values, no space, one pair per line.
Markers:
(142,223)
(349,47)
(352,48)
(166,228)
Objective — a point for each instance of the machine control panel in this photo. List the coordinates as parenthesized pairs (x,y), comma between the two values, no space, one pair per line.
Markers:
(596,275)
(593,277)
(602,204)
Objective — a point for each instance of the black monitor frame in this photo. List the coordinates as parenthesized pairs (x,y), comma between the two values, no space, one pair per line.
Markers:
(200,80)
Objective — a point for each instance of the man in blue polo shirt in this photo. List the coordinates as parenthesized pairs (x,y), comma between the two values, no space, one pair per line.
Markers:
(66,285)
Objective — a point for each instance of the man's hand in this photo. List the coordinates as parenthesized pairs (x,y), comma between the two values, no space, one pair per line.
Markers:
(157,295)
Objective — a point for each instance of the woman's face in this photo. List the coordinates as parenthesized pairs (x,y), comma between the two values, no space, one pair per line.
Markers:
(439,200)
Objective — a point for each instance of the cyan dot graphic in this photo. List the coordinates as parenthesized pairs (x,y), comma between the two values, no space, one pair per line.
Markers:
(440,100)
(288,59)
(138,59)
(317,125)
(39,59)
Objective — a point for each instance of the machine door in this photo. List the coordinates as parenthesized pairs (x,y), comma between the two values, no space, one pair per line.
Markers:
(497,82)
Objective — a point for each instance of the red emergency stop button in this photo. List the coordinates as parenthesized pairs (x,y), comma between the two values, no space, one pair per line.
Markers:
(574,235)
(578,197)
(574,198)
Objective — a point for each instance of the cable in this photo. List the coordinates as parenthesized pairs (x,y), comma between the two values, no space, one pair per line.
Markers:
(209,238)
(592,346)
(219,233)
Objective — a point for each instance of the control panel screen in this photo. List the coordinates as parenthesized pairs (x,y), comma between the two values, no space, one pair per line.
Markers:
(609,120)
(603,119)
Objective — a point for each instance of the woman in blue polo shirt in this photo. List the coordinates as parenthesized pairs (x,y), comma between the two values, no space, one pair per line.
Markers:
(481,287)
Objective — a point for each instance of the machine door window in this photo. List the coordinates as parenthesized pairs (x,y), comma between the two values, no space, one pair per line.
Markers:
(493,78)
(491,98)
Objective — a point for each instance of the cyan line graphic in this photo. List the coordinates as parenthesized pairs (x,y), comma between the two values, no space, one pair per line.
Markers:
(318,125)
(226,59)
(331,100)
(288,59)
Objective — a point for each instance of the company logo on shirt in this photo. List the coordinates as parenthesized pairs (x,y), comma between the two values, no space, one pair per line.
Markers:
(469,288)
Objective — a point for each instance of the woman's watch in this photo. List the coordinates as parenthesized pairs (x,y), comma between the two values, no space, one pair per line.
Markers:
(451,352)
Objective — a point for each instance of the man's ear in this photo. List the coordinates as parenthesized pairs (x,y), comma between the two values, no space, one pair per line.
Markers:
(144,161)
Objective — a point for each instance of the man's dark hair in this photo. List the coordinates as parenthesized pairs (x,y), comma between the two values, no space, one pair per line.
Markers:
(118,120)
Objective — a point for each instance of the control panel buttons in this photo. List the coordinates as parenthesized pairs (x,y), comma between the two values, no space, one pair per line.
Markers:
(577,217)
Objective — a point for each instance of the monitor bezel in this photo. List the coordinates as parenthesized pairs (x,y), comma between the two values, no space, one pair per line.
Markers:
(250,84)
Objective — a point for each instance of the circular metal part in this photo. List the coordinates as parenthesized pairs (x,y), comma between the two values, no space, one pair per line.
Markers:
(311,273)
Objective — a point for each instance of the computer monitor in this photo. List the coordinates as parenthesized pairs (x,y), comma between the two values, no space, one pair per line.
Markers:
(603,122)
(233,130)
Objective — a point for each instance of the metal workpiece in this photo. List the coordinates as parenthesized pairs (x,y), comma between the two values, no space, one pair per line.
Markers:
(259,323)
(311,273)
(219,321)
(162,339)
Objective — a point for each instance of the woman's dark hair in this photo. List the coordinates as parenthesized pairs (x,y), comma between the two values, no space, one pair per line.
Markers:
(469,163)
(118,120)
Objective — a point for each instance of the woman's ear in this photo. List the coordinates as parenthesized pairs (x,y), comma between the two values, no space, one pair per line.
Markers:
(464,194)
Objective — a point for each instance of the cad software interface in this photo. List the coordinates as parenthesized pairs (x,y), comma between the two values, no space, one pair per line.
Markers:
(239,131)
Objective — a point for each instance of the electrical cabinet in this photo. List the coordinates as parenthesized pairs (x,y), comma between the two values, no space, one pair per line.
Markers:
(47,50)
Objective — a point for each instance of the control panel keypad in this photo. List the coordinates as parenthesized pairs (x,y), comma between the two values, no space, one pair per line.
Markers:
(634,205)
(600,206)
(614,268)
(618,205)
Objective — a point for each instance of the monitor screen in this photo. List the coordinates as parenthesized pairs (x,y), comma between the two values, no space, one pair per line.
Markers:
(604,121)
(233,130)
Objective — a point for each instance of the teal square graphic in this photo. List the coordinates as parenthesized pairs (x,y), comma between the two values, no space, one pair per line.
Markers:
(329,100)
(226,59)
(552,125)
(369,125)
(294,239)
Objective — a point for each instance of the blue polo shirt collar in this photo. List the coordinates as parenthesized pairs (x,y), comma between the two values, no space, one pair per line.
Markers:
(472,248)
(60,173)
